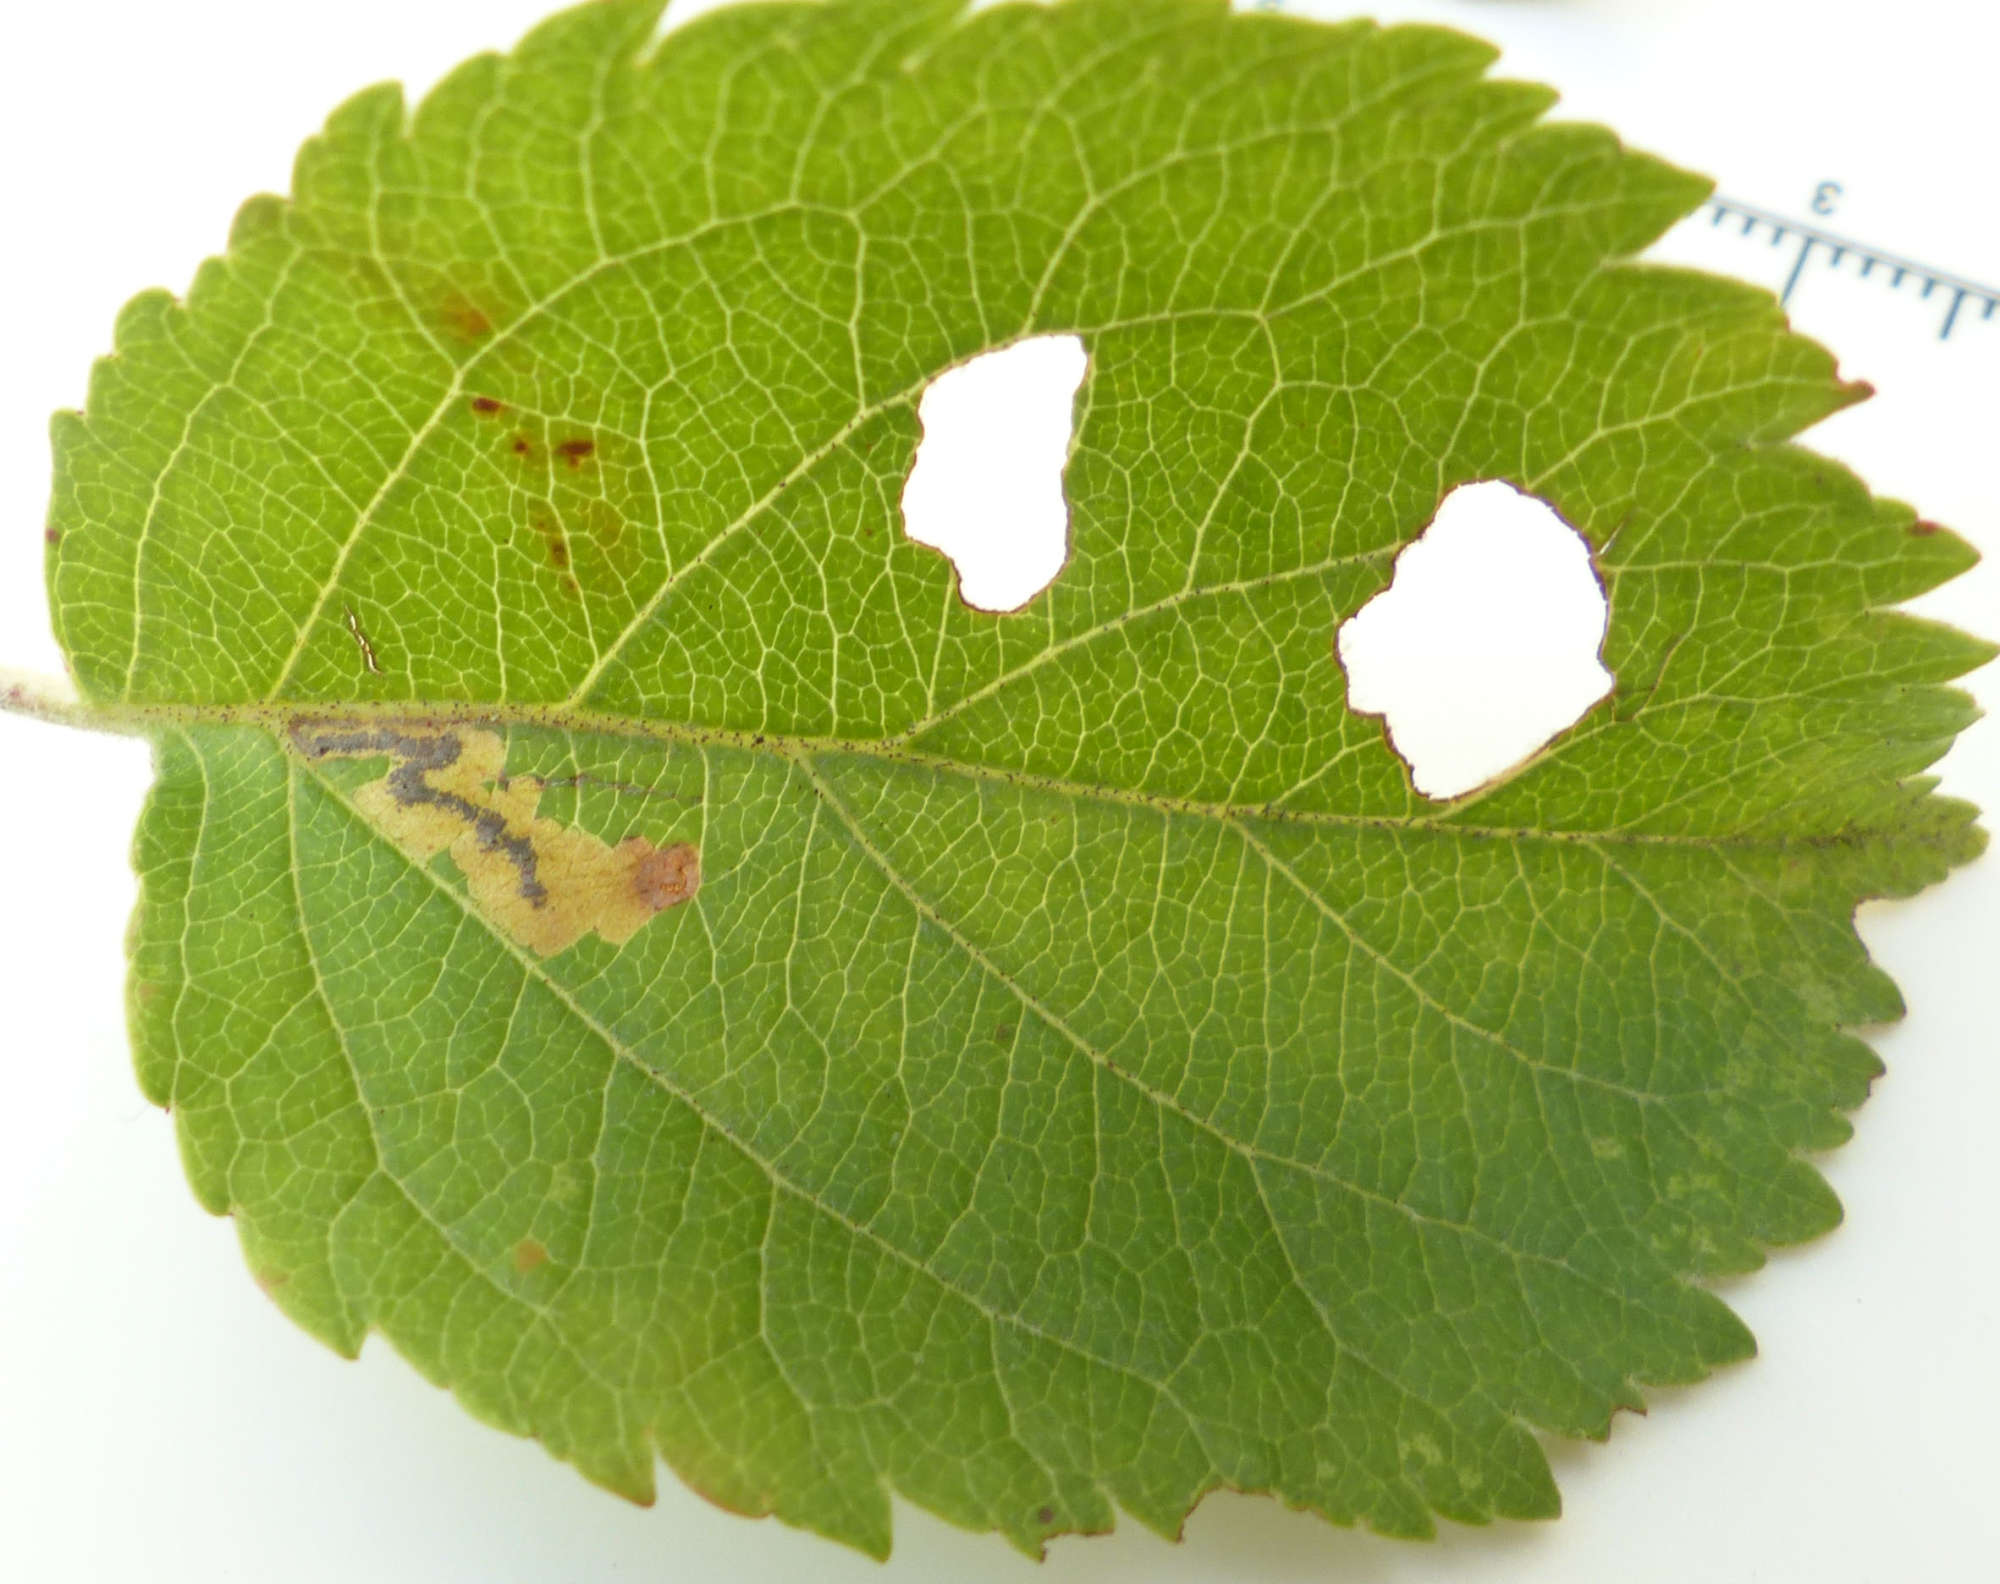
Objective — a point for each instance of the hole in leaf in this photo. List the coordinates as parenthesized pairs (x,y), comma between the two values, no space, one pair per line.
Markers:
(1486,643)
(987,487)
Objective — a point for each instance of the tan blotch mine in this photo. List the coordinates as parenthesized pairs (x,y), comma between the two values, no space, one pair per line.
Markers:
(543,883)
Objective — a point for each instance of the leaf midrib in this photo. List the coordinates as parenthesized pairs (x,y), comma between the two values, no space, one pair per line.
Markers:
(280,720)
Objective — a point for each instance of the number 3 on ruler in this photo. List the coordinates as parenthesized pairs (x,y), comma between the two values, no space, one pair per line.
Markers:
(1826,198)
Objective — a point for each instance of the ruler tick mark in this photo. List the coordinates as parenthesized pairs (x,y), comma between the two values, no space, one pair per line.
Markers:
(1951,314)
(1935,284)
(1798,269)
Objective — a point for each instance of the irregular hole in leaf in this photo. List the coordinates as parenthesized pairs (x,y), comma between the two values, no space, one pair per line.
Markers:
(1486,644)
(987,487)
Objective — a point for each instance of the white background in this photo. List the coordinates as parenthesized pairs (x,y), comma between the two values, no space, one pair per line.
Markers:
(160,1420)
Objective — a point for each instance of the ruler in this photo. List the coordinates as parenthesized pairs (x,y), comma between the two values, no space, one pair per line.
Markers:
(1960,301)
(1802,247)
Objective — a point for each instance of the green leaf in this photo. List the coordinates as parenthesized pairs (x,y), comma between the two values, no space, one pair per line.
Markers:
(615,923)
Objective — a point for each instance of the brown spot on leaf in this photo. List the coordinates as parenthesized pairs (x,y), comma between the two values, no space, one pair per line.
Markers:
(557,545)
(576,452)
(667,878)
(1045,1515)
(1922,528)
(52,536)
(465,319)
(529,1255)
(272,1280)
(523,446)
(487,406)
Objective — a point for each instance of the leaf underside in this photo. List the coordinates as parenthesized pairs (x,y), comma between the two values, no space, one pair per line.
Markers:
(1060,1063)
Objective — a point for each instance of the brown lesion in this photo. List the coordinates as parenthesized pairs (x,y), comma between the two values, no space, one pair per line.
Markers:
(546,884)
(555,542)
(465,319)
(668,877)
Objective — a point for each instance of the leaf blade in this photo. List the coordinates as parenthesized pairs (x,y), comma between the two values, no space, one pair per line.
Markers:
(1111,1206)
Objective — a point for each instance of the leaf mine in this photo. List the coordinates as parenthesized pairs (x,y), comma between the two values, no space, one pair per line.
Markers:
(546,885)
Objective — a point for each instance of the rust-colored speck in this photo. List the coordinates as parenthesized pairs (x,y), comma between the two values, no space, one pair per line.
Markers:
(559,552)
(668,877)
(487,406)
(575,452)
(52,536)
(523,446)
(1045,1515)
(467,320)
(529,1255)
(1923,528)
